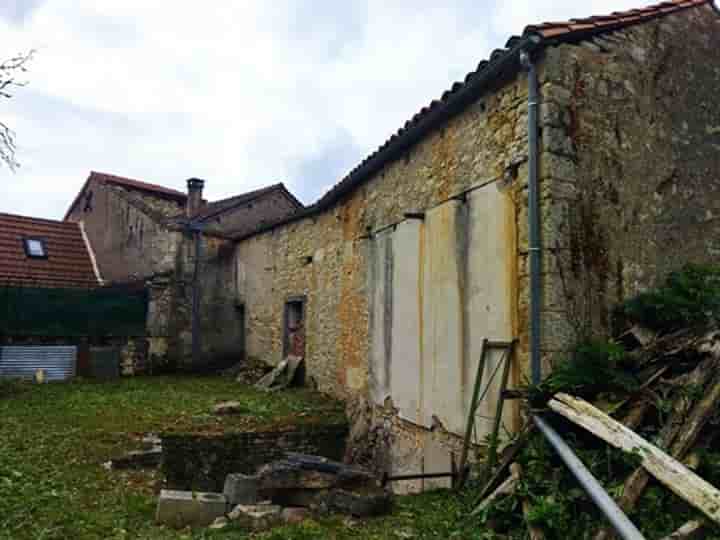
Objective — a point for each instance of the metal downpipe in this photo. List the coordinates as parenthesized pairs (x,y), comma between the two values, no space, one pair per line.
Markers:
(197,232)
(533,216)
(622,524)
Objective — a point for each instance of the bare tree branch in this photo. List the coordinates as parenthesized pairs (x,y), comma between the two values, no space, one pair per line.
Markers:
(10,70)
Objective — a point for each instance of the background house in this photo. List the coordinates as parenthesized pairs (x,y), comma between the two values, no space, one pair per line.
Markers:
(140,233)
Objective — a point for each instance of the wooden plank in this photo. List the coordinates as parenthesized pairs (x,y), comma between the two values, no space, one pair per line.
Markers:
(670,472)
(506,488)
(692,529)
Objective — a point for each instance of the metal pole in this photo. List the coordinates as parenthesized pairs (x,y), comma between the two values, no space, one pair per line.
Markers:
(624,527)
(196,299)
(533,216)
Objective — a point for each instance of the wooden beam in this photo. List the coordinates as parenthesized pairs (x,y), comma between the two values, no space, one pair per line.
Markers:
(668,471)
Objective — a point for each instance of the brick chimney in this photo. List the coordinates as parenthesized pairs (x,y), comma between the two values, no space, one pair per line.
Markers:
(194,198)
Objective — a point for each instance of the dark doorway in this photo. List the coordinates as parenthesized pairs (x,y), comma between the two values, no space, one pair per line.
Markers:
(240,316)
(294,332)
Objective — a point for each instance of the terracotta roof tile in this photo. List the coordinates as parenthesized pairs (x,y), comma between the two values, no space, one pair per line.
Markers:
(577,28)
(68,262)
(156,189)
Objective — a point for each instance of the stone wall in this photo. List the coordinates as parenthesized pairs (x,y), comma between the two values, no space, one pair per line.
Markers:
(325,258)
(330,261)
(201,462)
(631,163)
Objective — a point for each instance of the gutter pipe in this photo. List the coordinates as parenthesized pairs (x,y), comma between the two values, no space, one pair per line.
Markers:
(196,229)
(533,215)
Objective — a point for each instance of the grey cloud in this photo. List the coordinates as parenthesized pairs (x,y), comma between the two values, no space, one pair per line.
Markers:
(319,172)
(17,11)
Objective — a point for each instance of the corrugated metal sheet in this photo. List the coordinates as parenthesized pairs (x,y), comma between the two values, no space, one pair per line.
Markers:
(22,362)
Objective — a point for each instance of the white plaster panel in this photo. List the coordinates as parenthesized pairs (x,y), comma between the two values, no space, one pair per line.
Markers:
(491,230)
(405,362)
(380,293)
(442,349)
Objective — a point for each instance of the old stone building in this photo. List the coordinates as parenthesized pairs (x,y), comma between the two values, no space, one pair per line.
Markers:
(396,275)
(139,232)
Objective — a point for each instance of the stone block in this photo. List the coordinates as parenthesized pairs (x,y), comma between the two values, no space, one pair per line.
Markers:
(293,515)
(182,508)
(241,489)
(256,517)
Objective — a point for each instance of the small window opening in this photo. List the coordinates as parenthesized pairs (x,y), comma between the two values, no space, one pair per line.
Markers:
(88,202)
(35,248)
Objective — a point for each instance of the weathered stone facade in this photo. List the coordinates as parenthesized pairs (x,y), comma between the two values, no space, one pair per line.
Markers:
(629,173)
(138,233)
(632,152)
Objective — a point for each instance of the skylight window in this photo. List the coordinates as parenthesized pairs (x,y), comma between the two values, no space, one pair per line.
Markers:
(35,248)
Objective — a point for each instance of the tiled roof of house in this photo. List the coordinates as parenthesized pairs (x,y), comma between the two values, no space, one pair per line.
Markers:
(582,28)
(146,187)
(68,262)
(501,64)
(155,189)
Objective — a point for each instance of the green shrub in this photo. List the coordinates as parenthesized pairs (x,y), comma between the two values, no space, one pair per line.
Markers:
(593,367)
(689,297)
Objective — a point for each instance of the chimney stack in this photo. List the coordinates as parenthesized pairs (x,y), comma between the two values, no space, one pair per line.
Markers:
(194,198)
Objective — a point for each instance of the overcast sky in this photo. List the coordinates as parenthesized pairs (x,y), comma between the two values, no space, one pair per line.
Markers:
(240,93)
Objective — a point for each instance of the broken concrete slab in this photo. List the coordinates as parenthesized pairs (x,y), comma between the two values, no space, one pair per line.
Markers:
(285,374)
(335,473)
(268,380)
(182,508)
(316,499)
(287,475)
(256,517)
(229,407)
(241,489)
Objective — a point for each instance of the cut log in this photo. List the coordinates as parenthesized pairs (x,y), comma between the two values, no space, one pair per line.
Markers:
(506,488)
(691,530)
(668,471)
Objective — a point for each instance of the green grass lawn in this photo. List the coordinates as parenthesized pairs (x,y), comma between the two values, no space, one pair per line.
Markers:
(55,437)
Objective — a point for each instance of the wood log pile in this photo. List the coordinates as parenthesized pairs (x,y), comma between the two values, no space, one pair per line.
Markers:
(667,427)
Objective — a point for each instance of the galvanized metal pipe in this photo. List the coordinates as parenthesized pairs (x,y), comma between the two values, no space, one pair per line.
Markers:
(617,518)
(197,231)
(533,216)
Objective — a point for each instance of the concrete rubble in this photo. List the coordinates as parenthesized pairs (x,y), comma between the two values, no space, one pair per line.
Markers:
(182,508)
(284,491)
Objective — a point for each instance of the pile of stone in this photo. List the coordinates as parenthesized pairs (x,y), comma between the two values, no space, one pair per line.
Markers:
(285,491)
